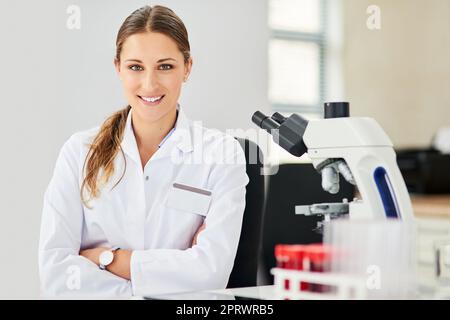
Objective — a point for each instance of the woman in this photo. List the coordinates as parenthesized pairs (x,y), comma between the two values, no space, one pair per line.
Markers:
(149,203)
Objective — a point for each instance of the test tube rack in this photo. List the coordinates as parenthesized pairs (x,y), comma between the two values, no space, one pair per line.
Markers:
(343,286)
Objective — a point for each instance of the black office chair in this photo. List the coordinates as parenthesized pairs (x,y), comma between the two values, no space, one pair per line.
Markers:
(293,184)
(244,273)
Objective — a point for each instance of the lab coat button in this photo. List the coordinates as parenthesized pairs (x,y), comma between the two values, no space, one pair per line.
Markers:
(146,177)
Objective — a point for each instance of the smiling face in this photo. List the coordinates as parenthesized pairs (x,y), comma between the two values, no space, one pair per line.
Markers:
(152,71)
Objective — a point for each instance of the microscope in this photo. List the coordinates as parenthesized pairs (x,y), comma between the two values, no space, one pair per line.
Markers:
(357,148)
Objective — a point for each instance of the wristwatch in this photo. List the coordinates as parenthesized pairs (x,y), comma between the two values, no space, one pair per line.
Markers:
(107,257)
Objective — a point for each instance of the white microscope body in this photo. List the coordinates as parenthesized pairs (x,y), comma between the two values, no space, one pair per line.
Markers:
(368,153)
(358,149)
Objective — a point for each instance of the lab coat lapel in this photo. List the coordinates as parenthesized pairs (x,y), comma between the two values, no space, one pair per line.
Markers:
(136,206)
(129,144)
(183,132)
(135,209)
(181,138)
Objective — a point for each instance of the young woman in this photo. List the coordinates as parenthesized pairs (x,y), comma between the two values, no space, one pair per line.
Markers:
(149,203)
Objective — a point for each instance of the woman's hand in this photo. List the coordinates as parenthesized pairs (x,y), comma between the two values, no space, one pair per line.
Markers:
(194,240)
(93,254)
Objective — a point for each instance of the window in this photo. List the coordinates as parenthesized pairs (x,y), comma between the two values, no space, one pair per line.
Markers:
(297,62)
(297,55)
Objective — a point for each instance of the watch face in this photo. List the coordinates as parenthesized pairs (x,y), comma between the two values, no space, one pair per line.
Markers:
(106,257)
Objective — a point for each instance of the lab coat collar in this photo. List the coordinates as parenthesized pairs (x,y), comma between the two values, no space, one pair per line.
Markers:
(181,137)
(182,134)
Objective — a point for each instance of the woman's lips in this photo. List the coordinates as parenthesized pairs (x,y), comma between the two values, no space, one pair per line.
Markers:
(151,103)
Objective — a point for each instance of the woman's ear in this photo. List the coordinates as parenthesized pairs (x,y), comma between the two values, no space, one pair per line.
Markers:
(188,68)
(117,66)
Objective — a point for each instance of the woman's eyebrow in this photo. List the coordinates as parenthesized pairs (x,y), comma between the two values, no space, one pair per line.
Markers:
(159,61)
(166,59)
(135,60)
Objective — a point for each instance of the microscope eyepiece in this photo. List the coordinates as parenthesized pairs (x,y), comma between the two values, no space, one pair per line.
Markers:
(287,132)
(278,117)
(264,122)
(258,117)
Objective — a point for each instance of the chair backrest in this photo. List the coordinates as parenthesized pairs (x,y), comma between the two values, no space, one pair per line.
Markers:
(244,273)
(293,184)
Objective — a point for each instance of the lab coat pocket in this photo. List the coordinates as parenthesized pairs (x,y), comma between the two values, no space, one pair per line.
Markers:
(185,210)
(190,199)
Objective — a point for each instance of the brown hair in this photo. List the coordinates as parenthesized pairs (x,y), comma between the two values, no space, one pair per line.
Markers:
(103,150)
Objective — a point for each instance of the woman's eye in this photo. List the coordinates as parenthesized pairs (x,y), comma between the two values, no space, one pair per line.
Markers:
(165,67)
(135,67)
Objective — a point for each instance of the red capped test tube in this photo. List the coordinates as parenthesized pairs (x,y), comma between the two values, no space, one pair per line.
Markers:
(317,258)
(290,256)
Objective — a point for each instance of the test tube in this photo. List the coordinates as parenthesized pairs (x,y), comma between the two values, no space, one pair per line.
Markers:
(317,258)
(290,256)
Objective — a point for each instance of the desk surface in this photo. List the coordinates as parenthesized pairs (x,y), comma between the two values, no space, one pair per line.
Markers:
(259,292)
(268,293)
(431,206)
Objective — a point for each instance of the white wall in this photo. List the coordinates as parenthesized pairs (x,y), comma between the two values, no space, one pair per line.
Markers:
(56,81)
(400,74)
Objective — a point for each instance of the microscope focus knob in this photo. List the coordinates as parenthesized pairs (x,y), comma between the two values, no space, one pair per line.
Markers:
(336,110)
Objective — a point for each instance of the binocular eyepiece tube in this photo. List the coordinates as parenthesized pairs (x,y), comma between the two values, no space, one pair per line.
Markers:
(289,131)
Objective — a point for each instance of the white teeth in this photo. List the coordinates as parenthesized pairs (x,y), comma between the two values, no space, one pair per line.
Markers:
(149,99)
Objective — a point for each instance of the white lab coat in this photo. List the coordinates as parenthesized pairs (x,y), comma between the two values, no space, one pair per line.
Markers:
(158,224)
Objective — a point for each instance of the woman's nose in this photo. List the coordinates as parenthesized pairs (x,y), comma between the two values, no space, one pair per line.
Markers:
(151,81)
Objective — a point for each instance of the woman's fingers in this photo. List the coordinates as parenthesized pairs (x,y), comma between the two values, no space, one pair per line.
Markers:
(194,240)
